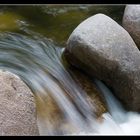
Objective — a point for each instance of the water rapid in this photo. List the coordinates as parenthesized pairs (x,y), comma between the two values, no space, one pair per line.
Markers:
(64,108)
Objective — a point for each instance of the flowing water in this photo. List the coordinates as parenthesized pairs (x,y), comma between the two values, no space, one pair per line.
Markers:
(63,106)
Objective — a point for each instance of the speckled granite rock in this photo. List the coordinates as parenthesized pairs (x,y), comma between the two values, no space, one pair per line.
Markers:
(17,107)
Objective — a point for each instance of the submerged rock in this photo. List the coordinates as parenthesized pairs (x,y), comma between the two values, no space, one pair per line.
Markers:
(103,49)
(94,96)
(131,22)
(17,107)
(51,118)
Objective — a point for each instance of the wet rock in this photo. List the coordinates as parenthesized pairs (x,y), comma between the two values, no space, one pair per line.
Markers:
(52,120)
(131,22)
(50,117)
(17,107)
(103,49)
(94,96)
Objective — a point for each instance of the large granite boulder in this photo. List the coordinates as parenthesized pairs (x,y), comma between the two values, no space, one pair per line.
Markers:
(103,49)
(131,22)
(17,107)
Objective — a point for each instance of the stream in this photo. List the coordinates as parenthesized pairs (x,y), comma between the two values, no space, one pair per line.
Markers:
(32,40)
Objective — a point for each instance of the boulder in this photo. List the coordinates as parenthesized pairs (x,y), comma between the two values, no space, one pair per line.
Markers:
(105,50)
(131,22)
(17,107)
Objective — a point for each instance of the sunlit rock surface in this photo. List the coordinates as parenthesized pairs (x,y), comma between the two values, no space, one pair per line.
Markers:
(17,107)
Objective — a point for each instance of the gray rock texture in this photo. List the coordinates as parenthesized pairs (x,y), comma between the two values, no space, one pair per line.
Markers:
(105,50)
(131,22)
(17,107)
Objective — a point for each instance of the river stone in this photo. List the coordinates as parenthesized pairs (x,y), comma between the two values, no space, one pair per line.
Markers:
(104,50)
(131,22)
(93,95)
(17,107)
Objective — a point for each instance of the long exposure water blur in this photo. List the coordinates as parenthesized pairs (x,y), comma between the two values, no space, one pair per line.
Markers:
(32,39)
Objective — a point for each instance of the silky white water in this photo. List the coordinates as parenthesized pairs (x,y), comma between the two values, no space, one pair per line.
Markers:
(38,62)
(118,121)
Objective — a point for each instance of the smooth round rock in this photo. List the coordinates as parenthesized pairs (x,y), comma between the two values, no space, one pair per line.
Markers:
(105,50)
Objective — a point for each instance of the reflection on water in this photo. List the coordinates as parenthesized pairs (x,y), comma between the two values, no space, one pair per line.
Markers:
(55,21)
(8,21)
